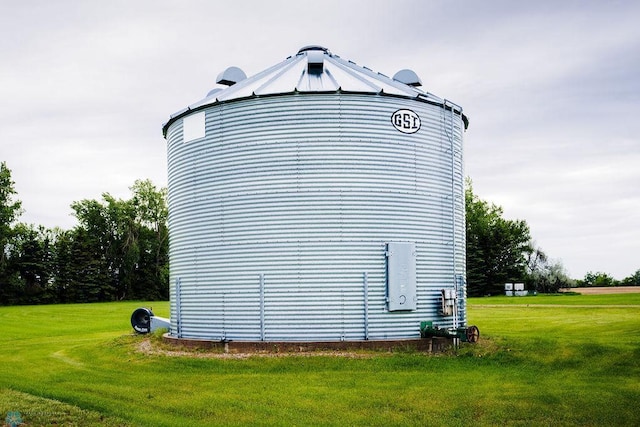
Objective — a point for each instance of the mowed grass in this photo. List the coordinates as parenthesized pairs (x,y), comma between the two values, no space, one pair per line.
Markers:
(565,360)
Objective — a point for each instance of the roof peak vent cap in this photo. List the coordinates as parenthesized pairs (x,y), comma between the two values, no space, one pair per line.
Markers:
(313,47)
(408,77)
(231,76)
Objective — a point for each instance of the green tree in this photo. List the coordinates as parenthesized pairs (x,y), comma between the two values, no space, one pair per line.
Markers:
(633,280)
(30,256)
(64,266)
(127,241)
(497,248)
(544,274)
(152,274)
(101,239)
(10,210)
(86,274)
(598,279)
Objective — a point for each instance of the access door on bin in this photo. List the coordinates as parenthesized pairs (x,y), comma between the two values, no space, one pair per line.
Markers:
(401,276)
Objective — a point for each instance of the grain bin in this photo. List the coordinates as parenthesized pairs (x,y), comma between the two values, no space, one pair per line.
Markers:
(317,200)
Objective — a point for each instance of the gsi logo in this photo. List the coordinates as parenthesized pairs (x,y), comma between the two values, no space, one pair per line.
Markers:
(406,121)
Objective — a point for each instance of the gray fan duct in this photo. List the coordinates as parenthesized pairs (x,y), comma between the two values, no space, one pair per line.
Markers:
(144,321)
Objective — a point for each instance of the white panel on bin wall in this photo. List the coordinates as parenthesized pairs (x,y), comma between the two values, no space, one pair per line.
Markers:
(401,276)
(193,127)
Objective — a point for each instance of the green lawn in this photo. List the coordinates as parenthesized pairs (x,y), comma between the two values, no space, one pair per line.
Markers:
(565,360)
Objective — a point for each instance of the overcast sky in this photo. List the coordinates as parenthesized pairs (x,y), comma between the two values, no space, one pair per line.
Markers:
(552,90)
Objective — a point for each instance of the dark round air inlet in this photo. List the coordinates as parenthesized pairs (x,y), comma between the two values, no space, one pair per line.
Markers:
(141,320)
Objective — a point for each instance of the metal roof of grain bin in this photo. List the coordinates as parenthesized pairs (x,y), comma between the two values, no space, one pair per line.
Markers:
(293,75)
(317,200)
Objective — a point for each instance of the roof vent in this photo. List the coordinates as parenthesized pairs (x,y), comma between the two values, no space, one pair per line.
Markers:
(315,62)
(231,76)
(312,48)
(408,77)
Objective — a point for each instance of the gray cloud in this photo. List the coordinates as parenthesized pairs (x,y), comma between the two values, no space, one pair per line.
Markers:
(551,89)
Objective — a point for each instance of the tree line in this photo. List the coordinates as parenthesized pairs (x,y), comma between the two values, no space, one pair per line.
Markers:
(119,251)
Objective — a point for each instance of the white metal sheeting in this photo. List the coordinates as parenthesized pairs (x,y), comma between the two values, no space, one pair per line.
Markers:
(280,215)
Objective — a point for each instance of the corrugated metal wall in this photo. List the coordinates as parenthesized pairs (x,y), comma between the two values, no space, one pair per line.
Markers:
(280,216)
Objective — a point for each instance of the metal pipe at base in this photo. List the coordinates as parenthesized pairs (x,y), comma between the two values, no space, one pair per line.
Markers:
(469,334)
